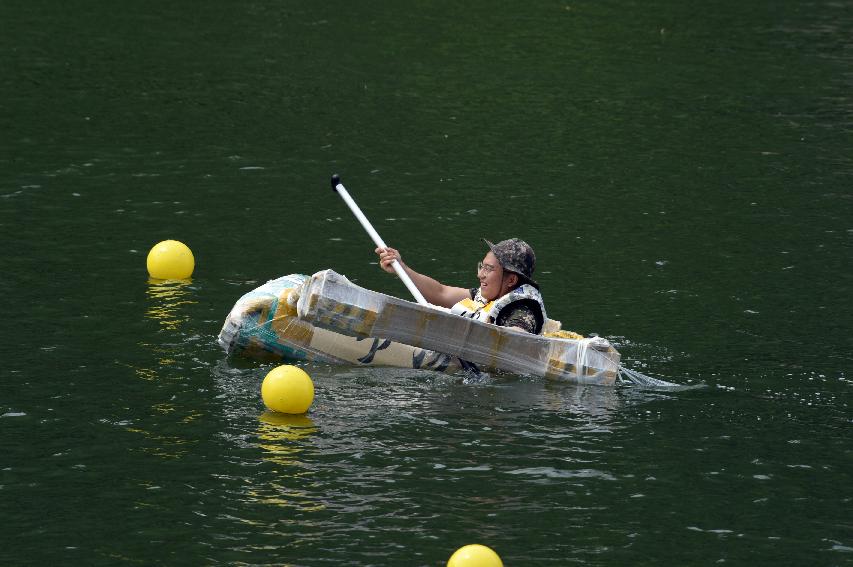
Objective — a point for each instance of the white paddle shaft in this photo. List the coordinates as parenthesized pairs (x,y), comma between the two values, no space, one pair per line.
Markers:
(341,190)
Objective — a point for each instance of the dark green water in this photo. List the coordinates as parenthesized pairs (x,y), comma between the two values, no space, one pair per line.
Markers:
(682,169)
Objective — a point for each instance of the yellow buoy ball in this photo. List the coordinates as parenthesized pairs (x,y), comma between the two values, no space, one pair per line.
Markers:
(474,555)
(170,260)
(287,389)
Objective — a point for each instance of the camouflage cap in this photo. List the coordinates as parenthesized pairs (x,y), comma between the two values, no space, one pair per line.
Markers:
(515,255)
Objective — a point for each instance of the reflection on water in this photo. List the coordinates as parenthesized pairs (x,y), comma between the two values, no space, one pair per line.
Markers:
(279,434)
(160,363)
(164,446)
(282,440)
(167,297)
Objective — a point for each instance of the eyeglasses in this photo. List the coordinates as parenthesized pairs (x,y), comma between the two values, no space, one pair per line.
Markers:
(481,267)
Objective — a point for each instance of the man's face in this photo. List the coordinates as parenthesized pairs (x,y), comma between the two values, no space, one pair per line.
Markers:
(491,277)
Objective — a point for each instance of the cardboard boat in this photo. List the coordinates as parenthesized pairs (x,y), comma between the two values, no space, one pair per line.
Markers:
(327,318)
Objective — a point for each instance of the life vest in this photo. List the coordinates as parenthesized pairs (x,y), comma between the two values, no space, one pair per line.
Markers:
(487,311)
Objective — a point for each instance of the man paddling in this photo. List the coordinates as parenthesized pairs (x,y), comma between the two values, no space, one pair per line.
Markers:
(507,296)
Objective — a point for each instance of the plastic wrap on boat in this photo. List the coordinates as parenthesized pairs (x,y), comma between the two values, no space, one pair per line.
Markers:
(329,301)
(263,325)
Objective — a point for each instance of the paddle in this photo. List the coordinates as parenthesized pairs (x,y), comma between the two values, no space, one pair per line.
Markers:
(339,188)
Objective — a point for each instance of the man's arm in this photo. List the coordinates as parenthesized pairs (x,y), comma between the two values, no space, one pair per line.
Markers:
(519,317)
(433,291)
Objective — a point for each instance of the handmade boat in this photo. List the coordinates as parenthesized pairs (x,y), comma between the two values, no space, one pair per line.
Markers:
(264,325)
(326,318)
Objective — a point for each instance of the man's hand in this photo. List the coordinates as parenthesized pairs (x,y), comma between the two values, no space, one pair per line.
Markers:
(386,257)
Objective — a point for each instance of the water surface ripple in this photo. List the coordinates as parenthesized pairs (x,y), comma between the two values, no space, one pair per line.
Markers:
(682,170)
